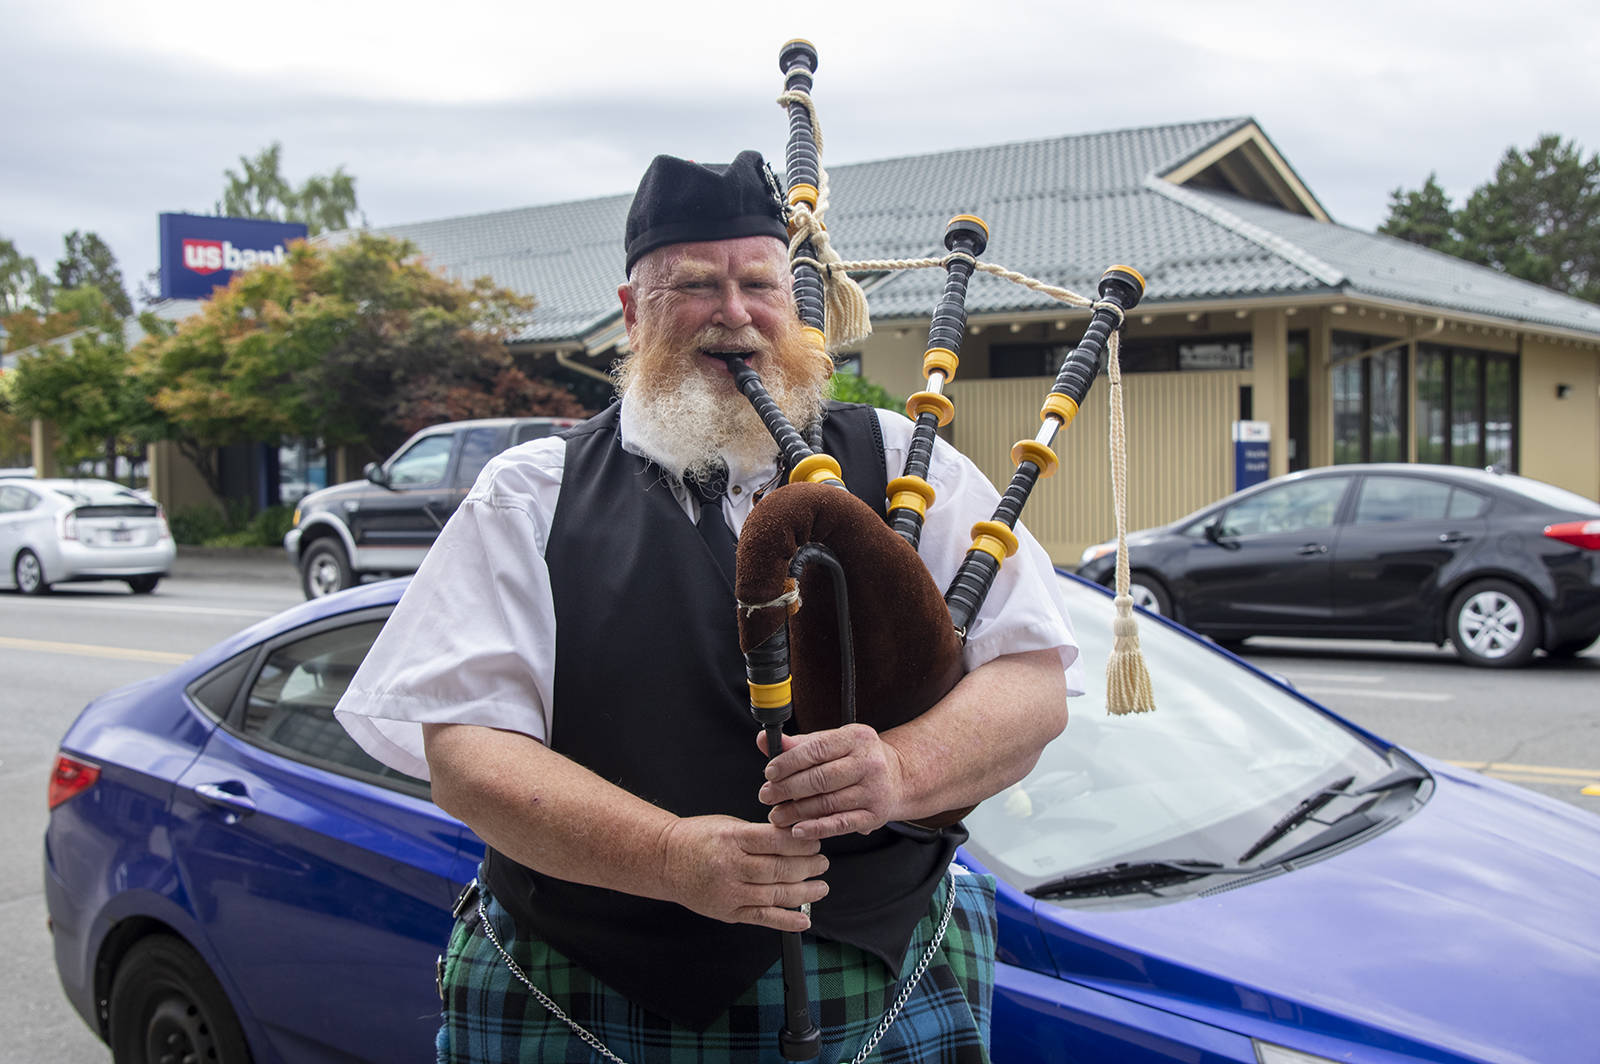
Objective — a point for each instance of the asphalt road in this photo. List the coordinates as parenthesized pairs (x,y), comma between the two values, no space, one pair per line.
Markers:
(1537,726)
(56,653)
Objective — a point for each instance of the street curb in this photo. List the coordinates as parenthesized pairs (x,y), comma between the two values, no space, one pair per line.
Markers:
(233,563)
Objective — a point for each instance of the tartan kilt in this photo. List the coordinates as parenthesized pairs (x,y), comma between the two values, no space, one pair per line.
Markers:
(490,1017)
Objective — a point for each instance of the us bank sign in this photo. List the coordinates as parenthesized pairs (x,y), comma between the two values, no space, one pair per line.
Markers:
(200,253)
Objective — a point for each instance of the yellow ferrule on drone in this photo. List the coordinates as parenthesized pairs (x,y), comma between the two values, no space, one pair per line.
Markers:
(995,539)
(1061,407)
(802,193)
(1037,453)
(910,493)
(814,337)
(932,403)
(942,359)
(1130,269)
(770,695)
(981,224)
(817,469)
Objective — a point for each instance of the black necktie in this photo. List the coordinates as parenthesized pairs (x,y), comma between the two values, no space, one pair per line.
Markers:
(713,527)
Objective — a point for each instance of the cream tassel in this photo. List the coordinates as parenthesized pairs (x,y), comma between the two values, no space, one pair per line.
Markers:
(1127,677)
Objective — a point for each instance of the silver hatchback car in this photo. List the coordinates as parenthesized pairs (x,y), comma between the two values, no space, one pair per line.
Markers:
(56,531)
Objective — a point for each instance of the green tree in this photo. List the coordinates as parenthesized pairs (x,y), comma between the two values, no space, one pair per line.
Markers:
(83,385)
(22,286)
(90,262)
(1422,216)
(324,202)
(355,344)
(854,388)
(1537,218)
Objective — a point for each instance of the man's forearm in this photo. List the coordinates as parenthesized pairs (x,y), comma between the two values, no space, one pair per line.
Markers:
(545,811)
(551,814)
(982,737)
(985,735)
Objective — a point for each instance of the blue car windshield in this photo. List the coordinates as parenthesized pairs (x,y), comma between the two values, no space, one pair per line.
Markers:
(1222,758)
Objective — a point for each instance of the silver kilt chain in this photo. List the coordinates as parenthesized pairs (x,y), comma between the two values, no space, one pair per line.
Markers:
(599,1047)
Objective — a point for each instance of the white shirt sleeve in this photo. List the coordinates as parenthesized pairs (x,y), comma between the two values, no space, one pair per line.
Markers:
(1024,610)
(473,639)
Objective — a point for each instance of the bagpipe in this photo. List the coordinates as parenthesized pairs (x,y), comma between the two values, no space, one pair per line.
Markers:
(868,597)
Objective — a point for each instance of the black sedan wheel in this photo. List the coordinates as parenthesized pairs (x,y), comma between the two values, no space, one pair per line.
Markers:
(166,1008)
(324,569)
(1494,623)
(29,574)
(1150,593)
(143,585)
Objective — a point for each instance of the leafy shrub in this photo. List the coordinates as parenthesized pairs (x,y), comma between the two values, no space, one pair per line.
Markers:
(207,526)
(192,526)
(850,388)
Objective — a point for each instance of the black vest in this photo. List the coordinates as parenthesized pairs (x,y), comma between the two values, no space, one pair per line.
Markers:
(650,694)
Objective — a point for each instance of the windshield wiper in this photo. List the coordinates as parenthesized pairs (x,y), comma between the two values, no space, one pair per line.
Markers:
(1410,773)
(1365,815)
(1297,816)
(1131,875)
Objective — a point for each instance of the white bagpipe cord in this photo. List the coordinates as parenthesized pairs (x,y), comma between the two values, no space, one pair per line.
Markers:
(1127,677)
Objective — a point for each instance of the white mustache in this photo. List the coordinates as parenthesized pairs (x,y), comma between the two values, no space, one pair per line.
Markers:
(718,338)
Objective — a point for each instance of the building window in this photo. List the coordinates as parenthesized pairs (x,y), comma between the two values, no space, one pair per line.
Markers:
(302,469)
(1159,354)
(1466,407)
(848,363)
(1369,400)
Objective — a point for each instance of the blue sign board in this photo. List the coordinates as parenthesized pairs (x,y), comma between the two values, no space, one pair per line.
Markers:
(1252,451)
(200,252)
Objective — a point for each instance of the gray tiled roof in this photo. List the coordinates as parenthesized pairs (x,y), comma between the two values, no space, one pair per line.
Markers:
(1061,210)
(1383,266)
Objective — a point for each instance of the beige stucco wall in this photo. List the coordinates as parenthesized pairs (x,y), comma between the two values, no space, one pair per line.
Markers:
(1561,437)
(1180,451)
(174,481)
(42,436)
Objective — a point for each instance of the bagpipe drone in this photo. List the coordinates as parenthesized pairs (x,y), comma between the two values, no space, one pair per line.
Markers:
(867,595)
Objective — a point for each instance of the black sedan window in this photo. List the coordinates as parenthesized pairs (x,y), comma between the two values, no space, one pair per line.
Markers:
(1401,499)
(1290,507)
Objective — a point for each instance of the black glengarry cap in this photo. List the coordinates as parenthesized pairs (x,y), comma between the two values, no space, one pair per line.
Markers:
(681,202)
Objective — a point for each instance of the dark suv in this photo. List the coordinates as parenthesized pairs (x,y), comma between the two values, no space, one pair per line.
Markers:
(383,525)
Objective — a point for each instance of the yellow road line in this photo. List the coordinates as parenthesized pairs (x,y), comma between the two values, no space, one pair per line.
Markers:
(1519,773)
(90,650)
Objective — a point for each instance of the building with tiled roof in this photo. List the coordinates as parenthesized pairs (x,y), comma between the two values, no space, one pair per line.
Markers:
(1349,345)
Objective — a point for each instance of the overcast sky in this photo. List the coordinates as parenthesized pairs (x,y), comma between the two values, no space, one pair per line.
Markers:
(118,110)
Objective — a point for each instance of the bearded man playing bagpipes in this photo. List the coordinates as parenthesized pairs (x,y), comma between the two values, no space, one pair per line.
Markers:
(566,669)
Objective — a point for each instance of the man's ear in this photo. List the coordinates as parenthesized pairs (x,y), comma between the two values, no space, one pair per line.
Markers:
(630,306)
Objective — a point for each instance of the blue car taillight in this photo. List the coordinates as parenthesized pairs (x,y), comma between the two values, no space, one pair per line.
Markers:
(70,778)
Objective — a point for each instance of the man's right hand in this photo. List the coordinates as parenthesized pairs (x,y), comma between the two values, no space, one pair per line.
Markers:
(741,872)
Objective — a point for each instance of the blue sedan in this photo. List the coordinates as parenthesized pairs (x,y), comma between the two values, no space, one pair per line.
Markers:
(1239,876)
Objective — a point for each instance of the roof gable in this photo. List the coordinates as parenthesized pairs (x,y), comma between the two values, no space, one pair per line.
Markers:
(1247,164)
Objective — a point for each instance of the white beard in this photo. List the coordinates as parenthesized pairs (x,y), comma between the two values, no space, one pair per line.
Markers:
(725,428)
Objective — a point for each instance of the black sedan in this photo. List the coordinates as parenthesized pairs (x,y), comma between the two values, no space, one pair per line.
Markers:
(1500,565)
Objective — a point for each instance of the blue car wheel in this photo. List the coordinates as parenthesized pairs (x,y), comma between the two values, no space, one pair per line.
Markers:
(167,1006)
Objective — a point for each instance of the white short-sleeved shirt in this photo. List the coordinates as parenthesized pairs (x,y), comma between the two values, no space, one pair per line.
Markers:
(473,638)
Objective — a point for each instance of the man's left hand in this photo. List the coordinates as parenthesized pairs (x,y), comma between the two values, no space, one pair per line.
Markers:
(834,782)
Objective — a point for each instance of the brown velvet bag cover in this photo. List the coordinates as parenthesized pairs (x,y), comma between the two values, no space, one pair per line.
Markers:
(906,651)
